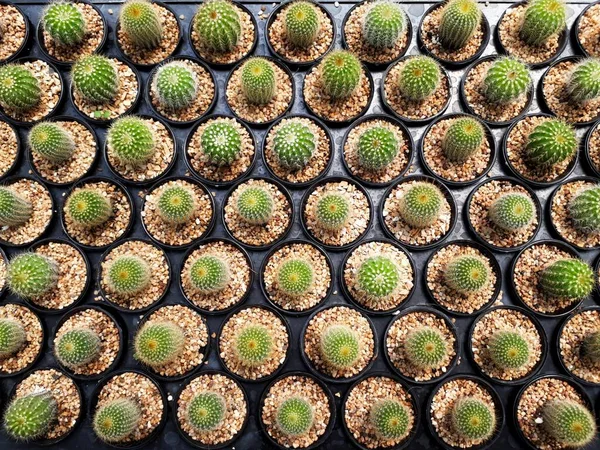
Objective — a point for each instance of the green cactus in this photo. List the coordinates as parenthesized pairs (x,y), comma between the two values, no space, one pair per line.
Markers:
(141,23)
(301,23)
(340,73)
(590,347)
(177,204)
(570,423)
(390,419)
(543,19)
(95,78)
(128,274)
(65,23)
(206,411)
(425,347)
(159,343)
(209,274)
(294,145)
(419,78)
(221,143)
(458,23)
(30,275)
(383,24)
(14,209)
(377,277)
(421,205)
(584,209)
(294,416)
(88,208)
(117,419)
(51,141)
(253,345)
(584,81)
(77,347)
(340,346)
(295,277)
(466,274)
(131,140)
(175,85)
(377,147)
(258,80)
(255,205)
(473,419)
(512,211)
(218,26)
(550,143)
(12,337)
(509,349)
(463,138)
(571,278)
(19,88)
(332,211)
(506,80)
(29,417)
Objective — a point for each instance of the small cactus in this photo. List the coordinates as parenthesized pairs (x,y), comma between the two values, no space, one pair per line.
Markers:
(584,210)
(158,343)
(294,145)
(463,138)
(473,419)
(12,337)
(206,411)
(88,208)
(295,277)
(209,274)
(512,211)
(506,80)
(383,24)
(584,82)
(294,416)
(14,209)
(177,205)
(458,23)
(568,278)
(176,85)
(421,204)
(332,211)
(509,349)
(570,423)
(466,274)
(131,140)
(221,143)
(390,419)
(377,277)
(19,88)
(258,80)
(419,78)
(377,147)
(218,25)
(141,23)
(590,347)
(425,347)
(65,23)
(117,419)
(51,141)
(77,347)
(30,275)
(340,346)
(550,143)
(301,23)
(128,274)
(543,18)
(253,345)
(95,78)
(29,417)
(255,205)
(340,73)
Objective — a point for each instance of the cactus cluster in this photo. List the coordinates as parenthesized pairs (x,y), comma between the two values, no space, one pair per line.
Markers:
(463,139)
(117,419)
(88,208)
(294,416)
(159,343)
(377,277)
(506,80)
(176,204)
(30,275)
(253,345)
(425,347)
(206,411)
(258,80)
(95,78)
(568,278)
(584,81)
(209,274)
(255,205)
(29,417)
(390,419)
(65,23)
(175,85)
(295,277)
(14,209)
(141,23)
(383,24)
(51,141)
(339,74)
(509,349)
(77,347)
(332,211)
(377,147)
(12,337)
(128,274)
(421,204)
(131,140)
(340,346)
(473,419)
(570,423)
(294,144)
(419,78)
(221,143)
(19,88)
(543,19)
(458,23)
(512,211)
(466,274)
(590,347)
(584,209)
(550,143)
(302,23)
(218,26)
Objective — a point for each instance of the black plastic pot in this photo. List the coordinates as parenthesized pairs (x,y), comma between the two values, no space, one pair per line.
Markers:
(27,32)
(587,142)
(19,144)
(3,260)
(575,31)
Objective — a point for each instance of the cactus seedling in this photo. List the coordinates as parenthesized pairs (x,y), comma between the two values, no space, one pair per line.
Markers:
(29,417)
(568,278)
(77,347)
(19,88)
(332,211)
(419,77)
(301,23)
(463,138)
(390,419)
(466,274)
(65,23)
(377,147)
(51,141)
(294,144)
(12,337)
(128,274)
(340,73)
(543,18)
(509,349)
(14,209)
(95,78)
(206,411)
(253,345)
(175,85)
(383,24)
(377,277)
(458,23)
(584,209)
(30,275)
(255,205)
(294,416)
(117,419)
(176,204)
(209,274)
(88,208)
(221,143)
(584,82)
(590,347)
(473,419)
(258,80)
(159,343)
(425,347)
(218,26)
(295,277)
(506,80)
(512,211)
(421,205)
(131,140)
(570,423)
(340,346)
(550,143)
(141,24)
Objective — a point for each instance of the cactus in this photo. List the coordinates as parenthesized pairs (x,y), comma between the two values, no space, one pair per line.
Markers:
(570,278)
(117,419)
(206,411)
(425,347)
(177,205)
(301,23)
(473,419)
(29,417)
(19,88)
(294,145)
(340,73)
(383,24)
(131,140)
(332,211)
(463,138)
(258,80)
(543,18)
(14,209)
(255,205)
(570,423)
(221,143)
(584,81)
(390,419)
(584,210)
(88,208)
(12,337)
(419,78)
(294,416)
(159,343)
(51,141)
(65,23)
(421,204)
(550,143)
(506,80)
(466,274)
(509,349)
(95,78)
(458,23)
(377,277)
(590,347)
(30,275)
(253,345)
(340,346)
(175,85)
(141,23)
(77,347)
(512,211)
(128,274)
(209,274)
(295,277)
(377,147)
(218,26)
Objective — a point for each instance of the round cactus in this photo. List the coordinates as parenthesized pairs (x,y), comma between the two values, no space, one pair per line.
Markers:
(258,80)
(77,347)
(206,411)
(421,204)
(383,24)
(30,275)
(117,419)
(255,205)
(209,274)
(458,23)
(340,346)
(568,278)
(159,343)
(584,209)
(141,23)
(175,85)
(218,26)
(340,73)
(425,347)
(301,23)
(253,345)
(463,138)
(19,88)
(221,143)
(294,144)
(543,18)
(14,209)
(584,82)
(128,274)
(332,211)
(506,80)
(295,277)
(377,277)
(131,140)
(419,78)
(390,419)
(95,78)
(466,274)
(65,23)
(509,349)
(570,423)
(377,147)
(176,205)
(512,211)
(294,416)
(12,337)
(29,417)
(473,419)
(550,143)
(51,141)
(88,208)
(590,347)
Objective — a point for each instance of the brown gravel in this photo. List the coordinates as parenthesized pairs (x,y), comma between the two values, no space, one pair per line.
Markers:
(589,24)
(34,338)
(9,147)
(575,330)
(13,31)
(594,147)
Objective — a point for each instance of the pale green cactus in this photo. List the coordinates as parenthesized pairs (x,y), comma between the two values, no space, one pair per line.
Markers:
(51,141)
(77,347)
(383,24)
(458,23)
(473,419)
(206,411)
(294,416)
(340,346)
(340,73)
(12,337)
(141,23)
(551,142)
(31,275)
(377,147)
(29,417)
(419,78)
(302,23)
(117,419)
(159,343)
(570,423)
(425,347)
(584,82)
(294,144)
(421,205)
(15,210)
(175,85)
(88,208)
(584,209)
(258,80)
(218,26)
(463,139)
(543,19)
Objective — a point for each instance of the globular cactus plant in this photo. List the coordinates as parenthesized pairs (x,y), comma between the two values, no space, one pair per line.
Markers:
(131,140)
(128,274)
(509,349)
(543,18)
(88,208)
(51,141)
(295,277)
(255,205)
(340,346)
(570,423)
(332,211)
(421,204)
(512,211)
(383,24)
(419,78)
(159,343)
(209,274)
(95,78)
(458,23)
(141,23)
(466,274)
(175,85)
(377,277)
(294,144)
(294,416)
(473,419)
(206,411)
(117,419)
(301,23)
(550,143)
(19,88)
(218,26)
(221,143)
(584,81)
(14,209)
(12,337)
(584,209)
(65,23)
(377,147)
(77,347)
(258,80)
(506,80)
(30,275)
(425,347)
(253,345)
(463,138)
(590,347)
(568,278)
(390,419)
(29,417)
(176,205)
(339,74)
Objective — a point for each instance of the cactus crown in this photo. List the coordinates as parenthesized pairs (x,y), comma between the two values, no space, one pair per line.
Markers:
(132,140)
(340,346)
(51,141)
(473,419)
(294,145)
(295,277)
(29,417)
(209,274)
(506,80)
(176,85)
(258,80)
(294,416)
(77,347)
(95,78)
(590,347)
(459,21)
(19,88)
(571,278)
(206,411)
(383,24)
(117,419)
(88,208)
(14,209)
(218,25)
(550,143)
(377,147)
(377,277)
(340,73)
(128,274)
(466,274)
(65,23)
(543,18)
(301,23)
(141,24)
(463,139)
(425,347)
(221,143)
(570,423)
(512,211)
(177,205)
(255,205)
(332,211)
(159,343)
(584,210)
(390,419)
(12,337)
(419,77)
(253,345)
(421,205)
(584,82)
(30,275)
(509,349)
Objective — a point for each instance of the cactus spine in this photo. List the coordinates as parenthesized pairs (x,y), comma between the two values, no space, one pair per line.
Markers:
(332,211)
(159,343)
(65,23)
(506,80)
(473,419)
(88,208)
(295,277)
(377,147)
(51,141)
(301,23)
(383,24)
(77,347)
(221,143)
(209,274)
(584,82)
(340,346)
(550,143)
(117,419)
(458,23)
(258,80)
(425,347)
(463,139)
(29,417)
(421,204)
(590,347)
(128,274)
(340,73)
(95,78)
(14,209)
(255,205)
(390,419)
(509,349)
(568,278)
(294,145)
(206,411)
(570,423)
(131,140)
(584,210)
(175,85)
(30,275)
(543,19)
(377,277)
(512,211)
(466,274)
(218,25)
(19,88)
(12,337)
(177,204)
(253,345)
(294,416)
(419,78)
(141,23)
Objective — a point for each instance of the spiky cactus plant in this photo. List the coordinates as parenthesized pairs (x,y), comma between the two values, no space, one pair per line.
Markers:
(383,24)
(512,211)
(218,26)
(419,77)
(209,274)
(340,346)
(175,85)
(30,275)
(294,416)
(258,80)
(463,139)
(473,419)
(77,347)
(65,23)
(421,204)
(128,274)
(584,209)
(550,143)
(14,209)
(176,205)
(339,73)
(12,337)
(117,419)
(131,140)
(509,349)
(584,81)
(206,411)
(568,278)
(458,23)
(255,205)
(51,141)
(301,23)
(570,423)
(253,345)
(88,208)
(466,274)
(95,78)
(332,211)
(295,277)
(29,417)
(19,88)
(590,347)
(425,347)
(377,277)
(543,18)
(159,343)
(141,23)
(390,419)
(506,80)
(377,147)
(221,143)
(294,144)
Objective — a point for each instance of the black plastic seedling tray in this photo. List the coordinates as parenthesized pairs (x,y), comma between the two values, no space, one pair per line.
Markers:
(253,438)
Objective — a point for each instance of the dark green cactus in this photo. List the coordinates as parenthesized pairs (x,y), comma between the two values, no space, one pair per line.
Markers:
(550,143)
(340,73)
(294,416)
(512,211)
(509,349)
(258,80)
(88,208)
(77,347)
(95,78)
(584,209)
(506,80)
(206,411)
(29,417)
(141,23)
(340,346)
(218,25)
(458,23)
(14,209)
(175,85)
(65,23)
(377,277)
(543,19)
(221,143)
(377,147)
(463,138)
(584,81)
(301,23)
(51,141)
(568,278)
(294,145)
(590,347)
(117,419)
(19,88)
